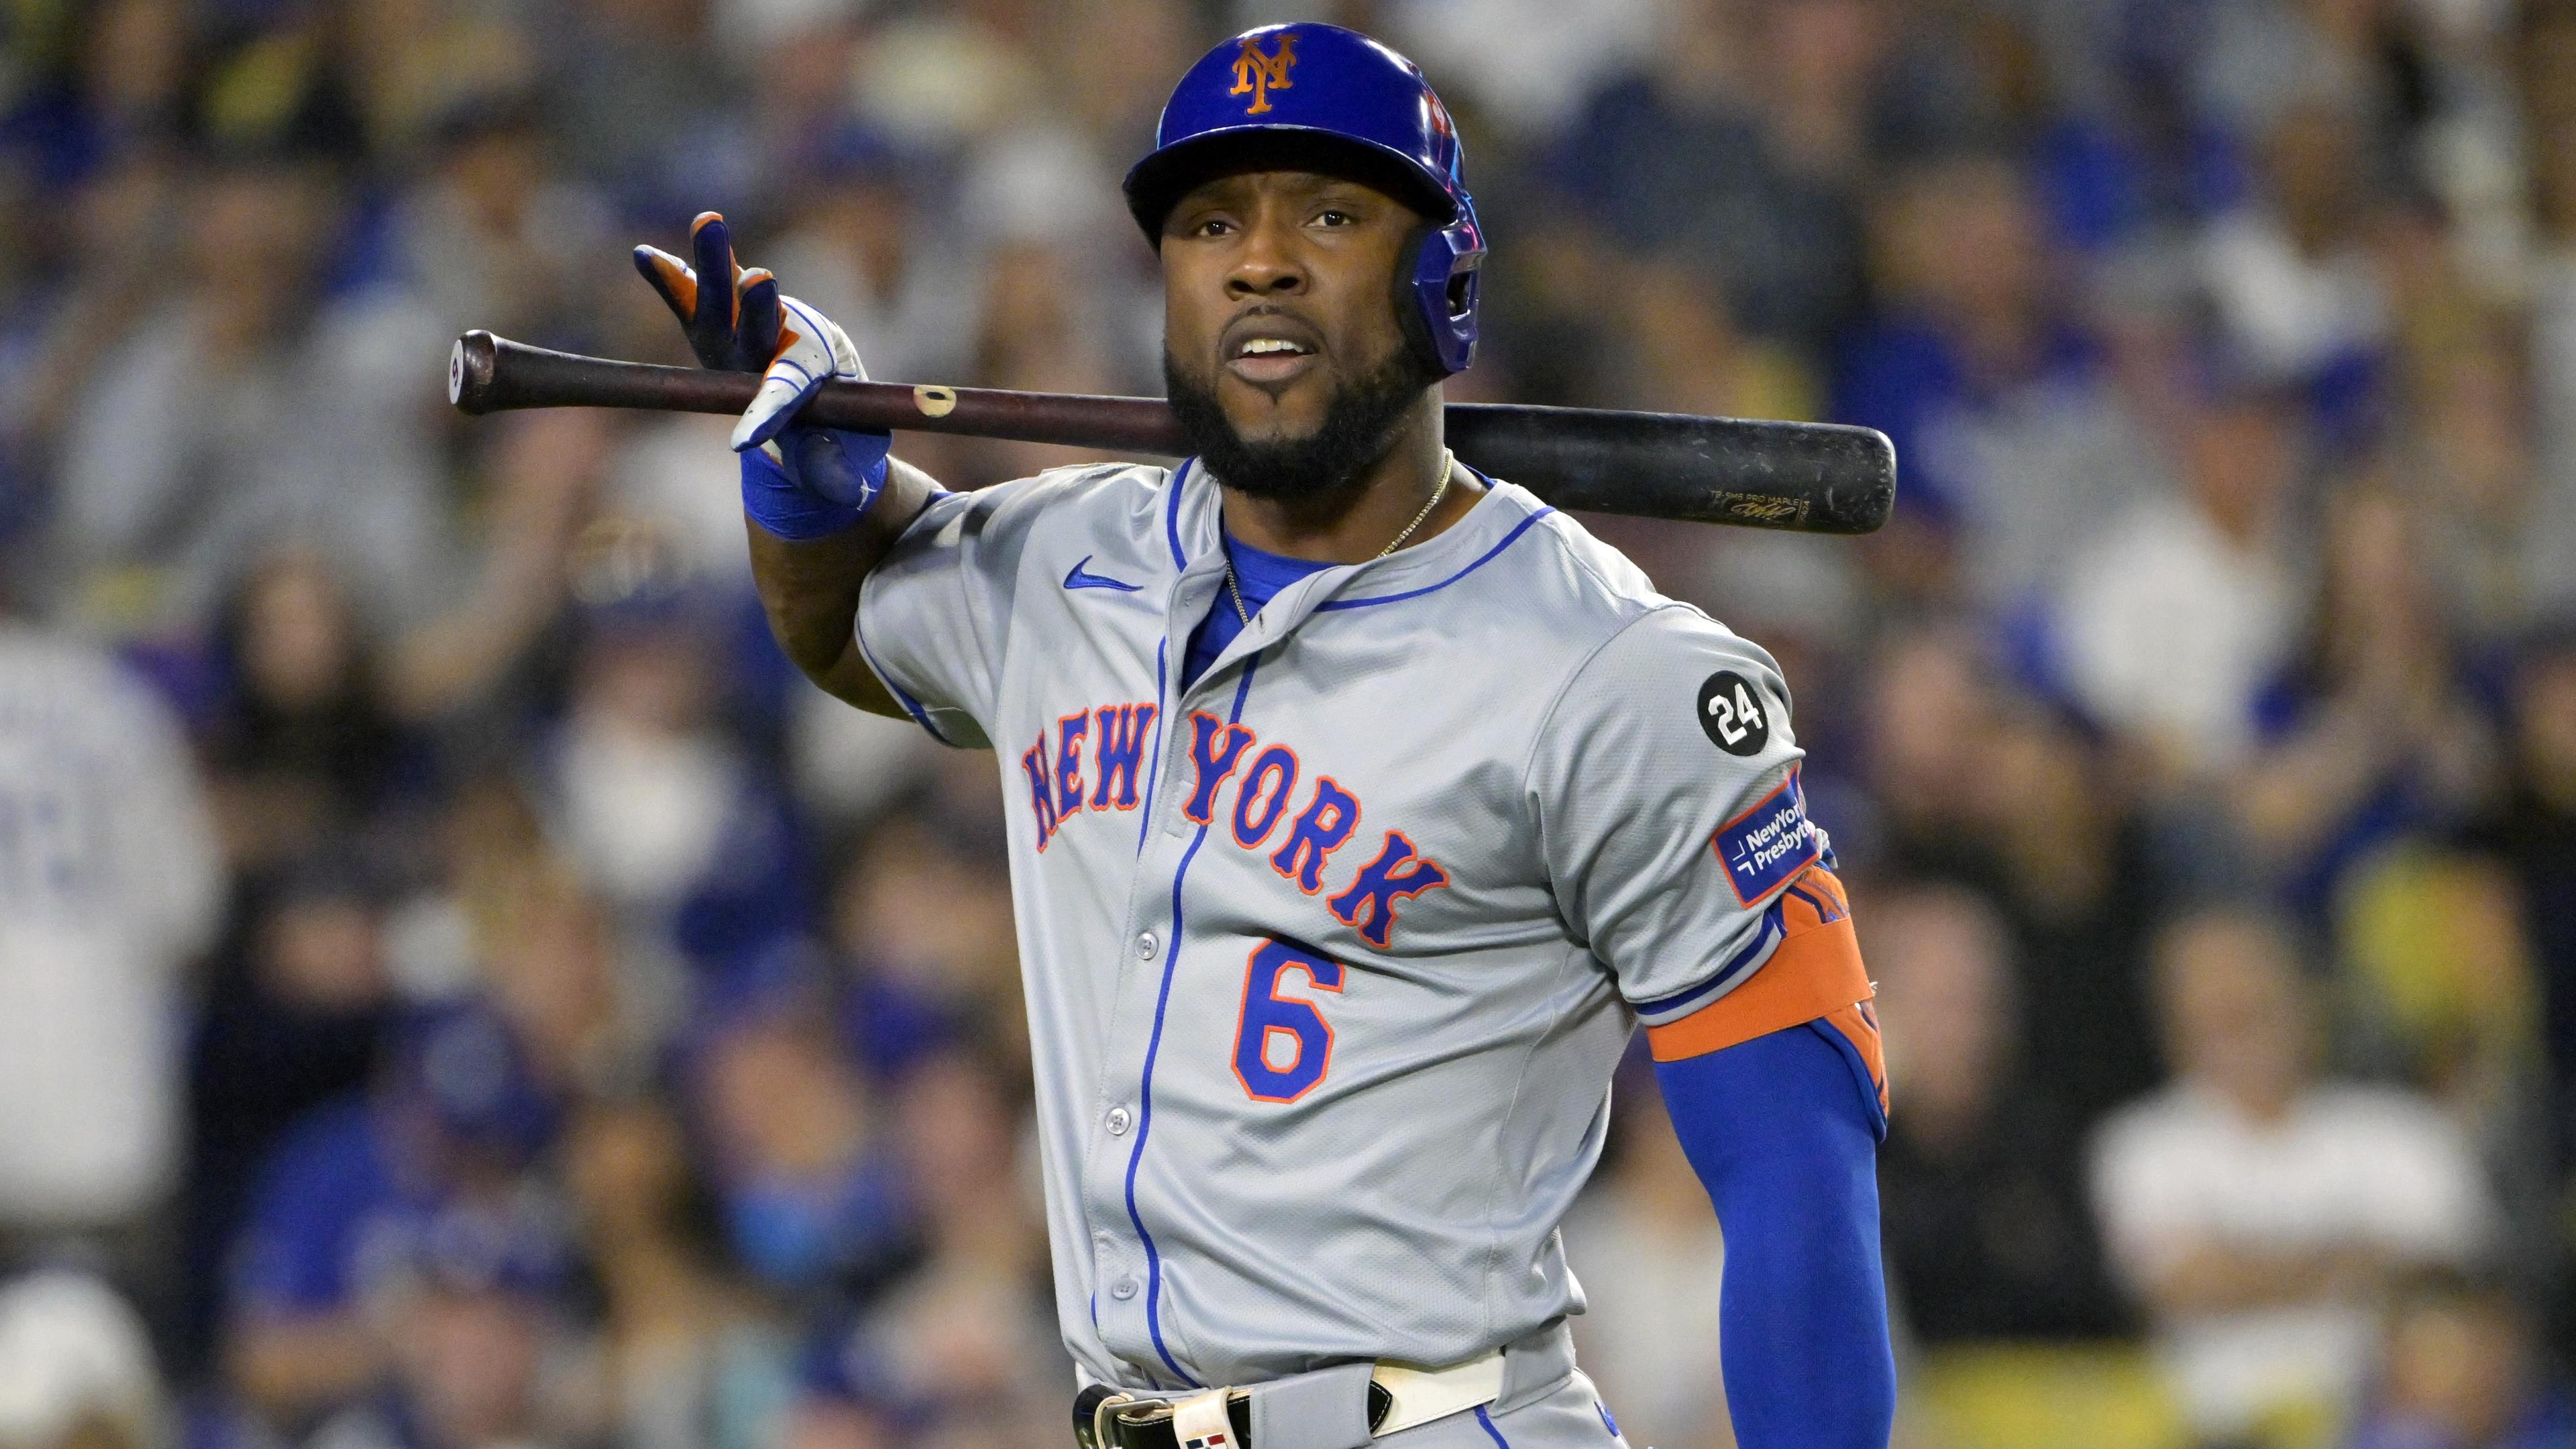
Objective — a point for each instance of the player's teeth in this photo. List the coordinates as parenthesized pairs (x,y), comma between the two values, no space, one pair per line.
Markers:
(1269,344)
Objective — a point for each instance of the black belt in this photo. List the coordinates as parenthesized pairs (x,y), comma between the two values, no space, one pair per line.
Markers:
(1147,1423)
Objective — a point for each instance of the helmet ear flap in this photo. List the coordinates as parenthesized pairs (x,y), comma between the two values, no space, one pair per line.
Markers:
(1444,294)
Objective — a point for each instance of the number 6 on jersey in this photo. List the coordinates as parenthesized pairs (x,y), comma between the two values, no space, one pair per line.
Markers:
(1288,1068)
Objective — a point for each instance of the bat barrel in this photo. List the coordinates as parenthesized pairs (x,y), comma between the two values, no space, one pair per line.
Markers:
(1749,472)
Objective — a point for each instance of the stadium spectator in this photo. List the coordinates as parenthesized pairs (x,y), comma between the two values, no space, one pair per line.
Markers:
(2546,69)
(1043,328)
(53,313)
(551,966)
(958,1341)
(863,244)
(1679,148)
(1978,785)
(2459,1368)
(1987,377)
(1980,1184)
(683,1356)
(1522,66)
(110,885)
(439,1148)
(79,1372)
(2374,727)
(2180,605)
(2486,507)
(1932,701)
(928,962)
(2076,882)
(465,1319)
(798,1145)
(296,1002)
(2295,274)
(215,454)
(640,100)
(1684,353)
(680,828)
(493,235)
(301,749)
(2533,830)
(469,665)
(2259,1212)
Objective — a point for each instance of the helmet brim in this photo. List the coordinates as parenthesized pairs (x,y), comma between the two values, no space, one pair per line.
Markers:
(1158,182)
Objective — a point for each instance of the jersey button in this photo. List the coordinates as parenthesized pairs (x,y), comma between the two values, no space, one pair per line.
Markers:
(1119,1121)
(1123,1289)
(1145,945)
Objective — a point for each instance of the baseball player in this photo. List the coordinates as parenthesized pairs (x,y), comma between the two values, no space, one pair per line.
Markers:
(1364,807)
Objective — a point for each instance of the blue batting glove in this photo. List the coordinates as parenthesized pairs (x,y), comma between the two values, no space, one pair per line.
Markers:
(797,482)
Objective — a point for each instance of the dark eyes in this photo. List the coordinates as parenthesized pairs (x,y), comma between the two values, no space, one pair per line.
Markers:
(1331,216)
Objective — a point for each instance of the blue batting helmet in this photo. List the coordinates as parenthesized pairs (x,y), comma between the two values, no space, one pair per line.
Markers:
(1316,94)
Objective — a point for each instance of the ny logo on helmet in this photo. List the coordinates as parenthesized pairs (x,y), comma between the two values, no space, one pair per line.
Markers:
(1255,74)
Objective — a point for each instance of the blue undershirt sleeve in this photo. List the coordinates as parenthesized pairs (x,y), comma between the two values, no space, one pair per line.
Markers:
(1785,1139)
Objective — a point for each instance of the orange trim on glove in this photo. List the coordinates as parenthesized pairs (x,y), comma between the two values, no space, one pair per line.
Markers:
(681,287)
(1815,973)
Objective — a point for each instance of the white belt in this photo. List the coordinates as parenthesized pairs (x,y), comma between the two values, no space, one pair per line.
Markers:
(1415,1396)
(1421,1395)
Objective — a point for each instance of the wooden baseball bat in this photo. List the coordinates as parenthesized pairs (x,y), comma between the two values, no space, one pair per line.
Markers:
(1753,473)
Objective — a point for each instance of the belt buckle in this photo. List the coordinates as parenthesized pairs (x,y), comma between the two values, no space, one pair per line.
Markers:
(1091,1412)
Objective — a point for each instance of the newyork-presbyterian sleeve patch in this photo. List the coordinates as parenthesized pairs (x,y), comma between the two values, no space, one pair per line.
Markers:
(1768,843)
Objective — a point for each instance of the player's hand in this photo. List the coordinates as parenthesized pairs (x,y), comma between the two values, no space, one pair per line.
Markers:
(710,315)
(746,325)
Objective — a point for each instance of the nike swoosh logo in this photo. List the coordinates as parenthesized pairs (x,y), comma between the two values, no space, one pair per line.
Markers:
(1079,579)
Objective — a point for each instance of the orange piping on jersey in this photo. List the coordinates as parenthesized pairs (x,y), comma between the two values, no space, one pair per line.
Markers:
(1814,972)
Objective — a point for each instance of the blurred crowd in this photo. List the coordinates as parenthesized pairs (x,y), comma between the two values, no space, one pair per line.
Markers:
(459,989)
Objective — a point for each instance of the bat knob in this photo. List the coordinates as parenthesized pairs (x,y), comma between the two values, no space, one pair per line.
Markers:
(470,364)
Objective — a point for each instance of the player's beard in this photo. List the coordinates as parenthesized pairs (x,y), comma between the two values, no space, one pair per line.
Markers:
(1361,420)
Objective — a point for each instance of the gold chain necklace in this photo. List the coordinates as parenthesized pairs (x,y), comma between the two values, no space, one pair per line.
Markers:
(1448,464)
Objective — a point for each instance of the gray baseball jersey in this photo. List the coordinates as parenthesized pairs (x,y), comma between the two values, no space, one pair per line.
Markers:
(1330,954)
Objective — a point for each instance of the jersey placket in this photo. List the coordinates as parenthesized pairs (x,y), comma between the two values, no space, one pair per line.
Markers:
(1129,1272)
